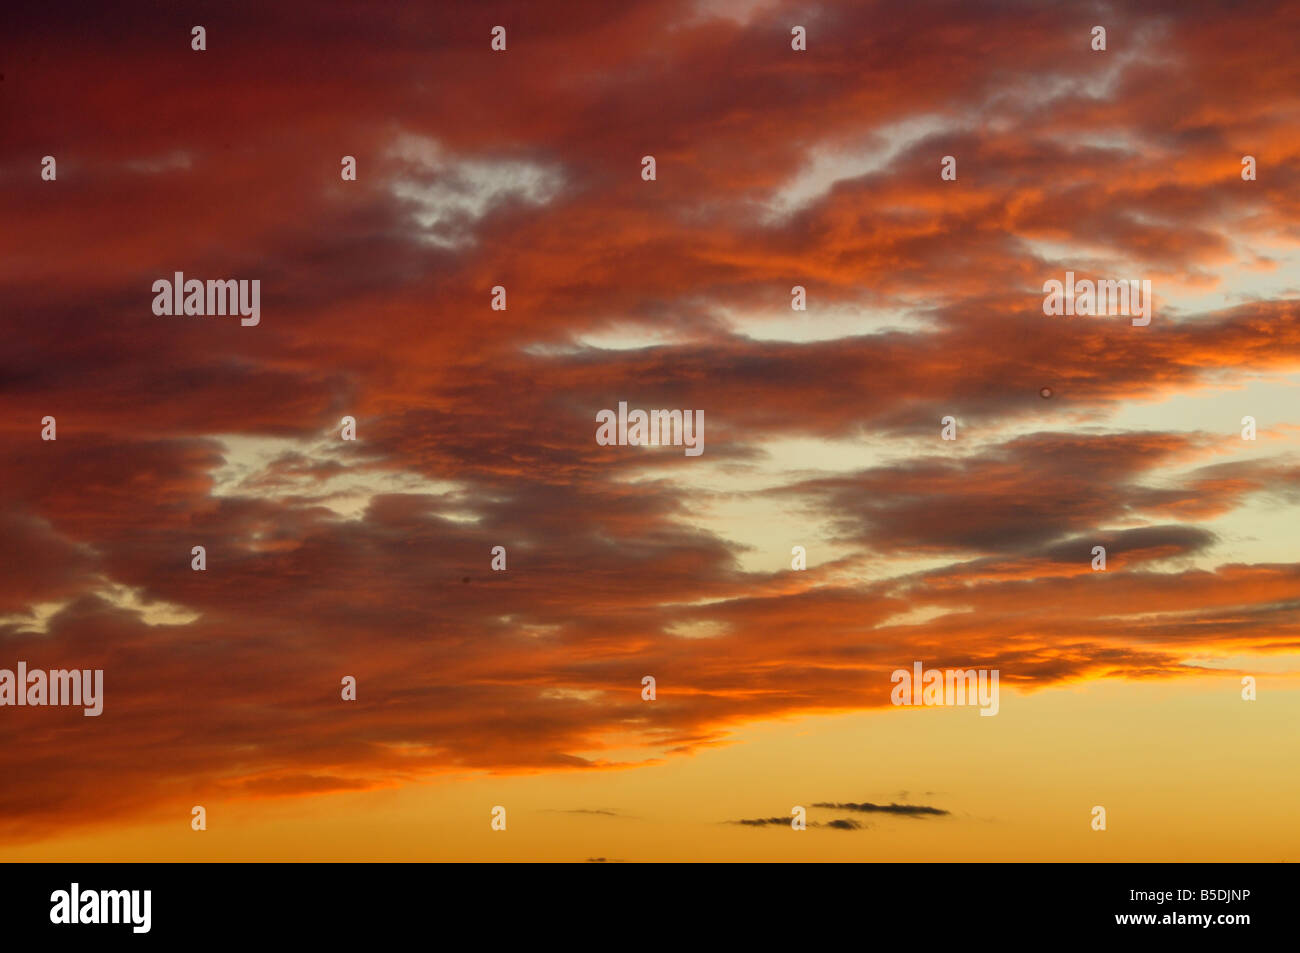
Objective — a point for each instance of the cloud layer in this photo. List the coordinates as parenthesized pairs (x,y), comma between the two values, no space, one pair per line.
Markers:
(476,427)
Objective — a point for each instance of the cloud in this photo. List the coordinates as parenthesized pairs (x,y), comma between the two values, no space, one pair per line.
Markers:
(450,195)
(839,824)
(585,810)
(866,807)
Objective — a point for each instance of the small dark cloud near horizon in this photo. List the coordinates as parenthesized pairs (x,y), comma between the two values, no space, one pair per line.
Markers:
(839,824)
(586,810)
(866,807)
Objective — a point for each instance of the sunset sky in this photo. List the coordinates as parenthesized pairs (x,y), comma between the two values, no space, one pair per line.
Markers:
(476,428)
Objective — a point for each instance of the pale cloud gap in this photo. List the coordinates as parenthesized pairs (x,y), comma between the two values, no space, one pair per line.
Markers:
(450,194)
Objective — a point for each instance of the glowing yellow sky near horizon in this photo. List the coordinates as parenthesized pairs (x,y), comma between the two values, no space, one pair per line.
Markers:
(1187,771)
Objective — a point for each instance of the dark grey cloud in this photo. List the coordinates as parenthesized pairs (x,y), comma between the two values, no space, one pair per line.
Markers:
(839,824)
(866,807)
(762,821)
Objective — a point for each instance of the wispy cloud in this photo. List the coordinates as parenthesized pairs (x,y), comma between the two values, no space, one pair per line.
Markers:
(907,810)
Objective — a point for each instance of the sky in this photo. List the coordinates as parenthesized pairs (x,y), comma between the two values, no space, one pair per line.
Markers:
(476,427)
